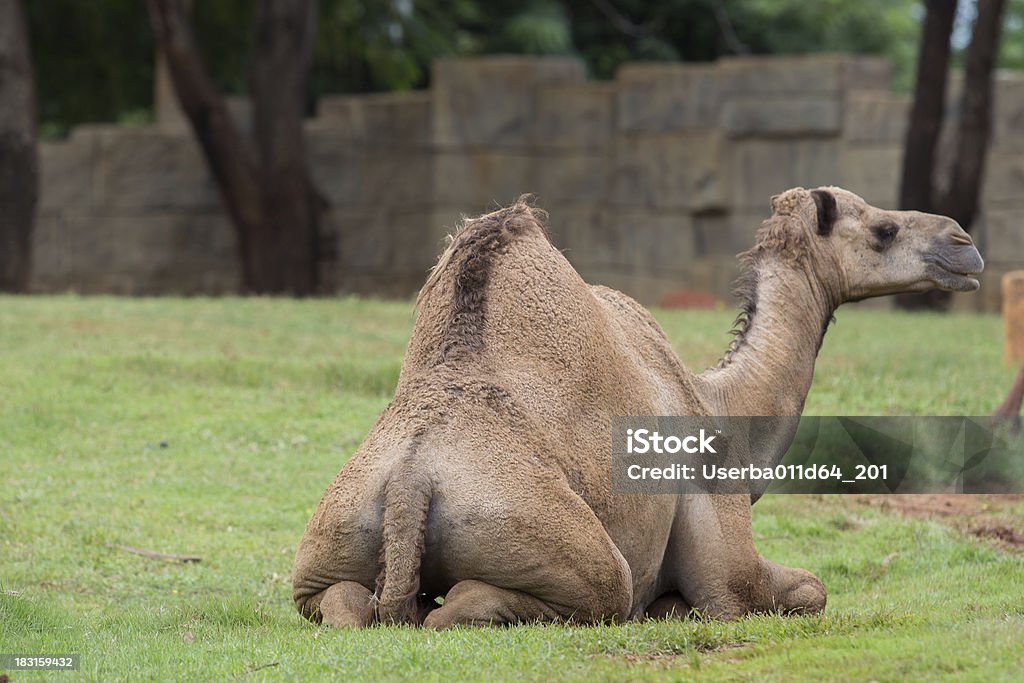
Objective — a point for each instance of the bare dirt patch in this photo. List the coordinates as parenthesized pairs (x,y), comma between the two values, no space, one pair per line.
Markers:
(982,515)
(689,299)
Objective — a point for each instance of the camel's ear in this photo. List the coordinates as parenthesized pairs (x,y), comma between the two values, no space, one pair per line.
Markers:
(825,204)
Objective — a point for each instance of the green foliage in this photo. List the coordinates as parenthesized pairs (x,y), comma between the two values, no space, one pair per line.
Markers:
(870,26)
(387,45)
(95,59)
(1011,46)
(212,427)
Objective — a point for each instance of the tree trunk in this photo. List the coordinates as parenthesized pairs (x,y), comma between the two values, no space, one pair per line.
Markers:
(961,199)
(19,160)
(929,103)
(265,185)
(283,55)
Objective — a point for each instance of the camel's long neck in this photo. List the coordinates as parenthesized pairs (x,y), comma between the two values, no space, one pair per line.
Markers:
(769,368)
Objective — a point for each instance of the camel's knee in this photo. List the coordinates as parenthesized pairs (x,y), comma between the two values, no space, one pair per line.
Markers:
(605,596)
(614,605)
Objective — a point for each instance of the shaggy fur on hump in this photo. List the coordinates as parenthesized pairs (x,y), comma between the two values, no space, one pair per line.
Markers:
(468,260)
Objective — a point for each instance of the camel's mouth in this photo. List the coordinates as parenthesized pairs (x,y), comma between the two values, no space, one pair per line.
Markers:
(952,281)
(955,267)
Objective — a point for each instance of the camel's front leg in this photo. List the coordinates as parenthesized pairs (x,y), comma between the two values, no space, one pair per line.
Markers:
(720,573)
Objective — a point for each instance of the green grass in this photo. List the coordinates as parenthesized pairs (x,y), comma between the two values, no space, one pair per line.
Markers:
(212,427)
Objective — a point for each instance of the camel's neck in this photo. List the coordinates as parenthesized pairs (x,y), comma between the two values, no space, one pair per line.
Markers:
(769,368)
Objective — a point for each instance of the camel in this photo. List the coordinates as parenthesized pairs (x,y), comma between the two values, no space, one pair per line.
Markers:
(487,479)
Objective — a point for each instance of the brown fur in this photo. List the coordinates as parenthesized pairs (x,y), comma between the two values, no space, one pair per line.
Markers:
(487,478)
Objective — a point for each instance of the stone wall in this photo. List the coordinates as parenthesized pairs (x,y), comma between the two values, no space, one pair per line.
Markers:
(653,181)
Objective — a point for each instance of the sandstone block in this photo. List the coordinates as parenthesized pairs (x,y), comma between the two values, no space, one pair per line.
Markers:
(480,181)
(999,231)
(793,116)
(763,168)
(712,236)
(867,73)
(1008,112)
(743,227)
(873,172)
(574,115)
(671,170)
(664,243)
(491,101)
(571,177)
(174,253)
(421,237)
(657,97)
(336,164)
(51,253)
(153,169)
(1004,176)
(379,119)
(67,173)
(365,238)
(350,176)
(816,73)
(655,243)
(873,117)
(588,237)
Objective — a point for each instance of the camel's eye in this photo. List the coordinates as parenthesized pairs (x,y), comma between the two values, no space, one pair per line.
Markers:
(885,235)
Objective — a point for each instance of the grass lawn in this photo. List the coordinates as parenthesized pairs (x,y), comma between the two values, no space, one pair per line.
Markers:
(212,427)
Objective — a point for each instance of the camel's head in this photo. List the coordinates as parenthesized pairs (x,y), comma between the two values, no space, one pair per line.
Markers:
(877,252)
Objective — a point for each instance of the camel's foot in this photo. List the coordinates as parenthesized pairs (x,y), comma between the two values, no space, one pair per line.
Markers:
(481,604)
(347,605)
(794,591)
(767,588)
(668,606)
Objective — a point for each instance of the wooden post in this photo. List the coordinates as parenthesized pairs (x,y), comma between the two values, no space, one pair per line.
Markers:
(1013,317)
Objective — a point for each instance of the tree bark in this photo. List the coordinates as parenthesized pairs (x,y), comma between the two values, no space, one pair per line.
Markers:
(926,113)
(19,157)
(283,55)
(265,183)
(960,201)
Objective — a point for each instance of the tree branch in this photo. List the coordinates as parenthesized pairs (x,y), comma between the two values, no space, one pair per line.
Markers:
(153,555)
(621,22)
(737,46)
(230,156)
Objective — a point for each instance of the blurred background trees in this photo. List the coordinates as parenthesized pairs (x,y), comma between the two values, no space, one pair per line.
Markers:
(264,178)
(94,60)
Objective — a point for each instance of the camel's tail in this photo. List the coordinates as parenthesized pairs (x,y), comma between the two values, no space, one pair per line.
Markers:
(406,502)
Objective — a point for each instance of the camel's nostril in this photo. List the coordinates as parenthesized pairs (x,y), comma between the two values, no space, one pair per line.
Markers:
(961,237)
